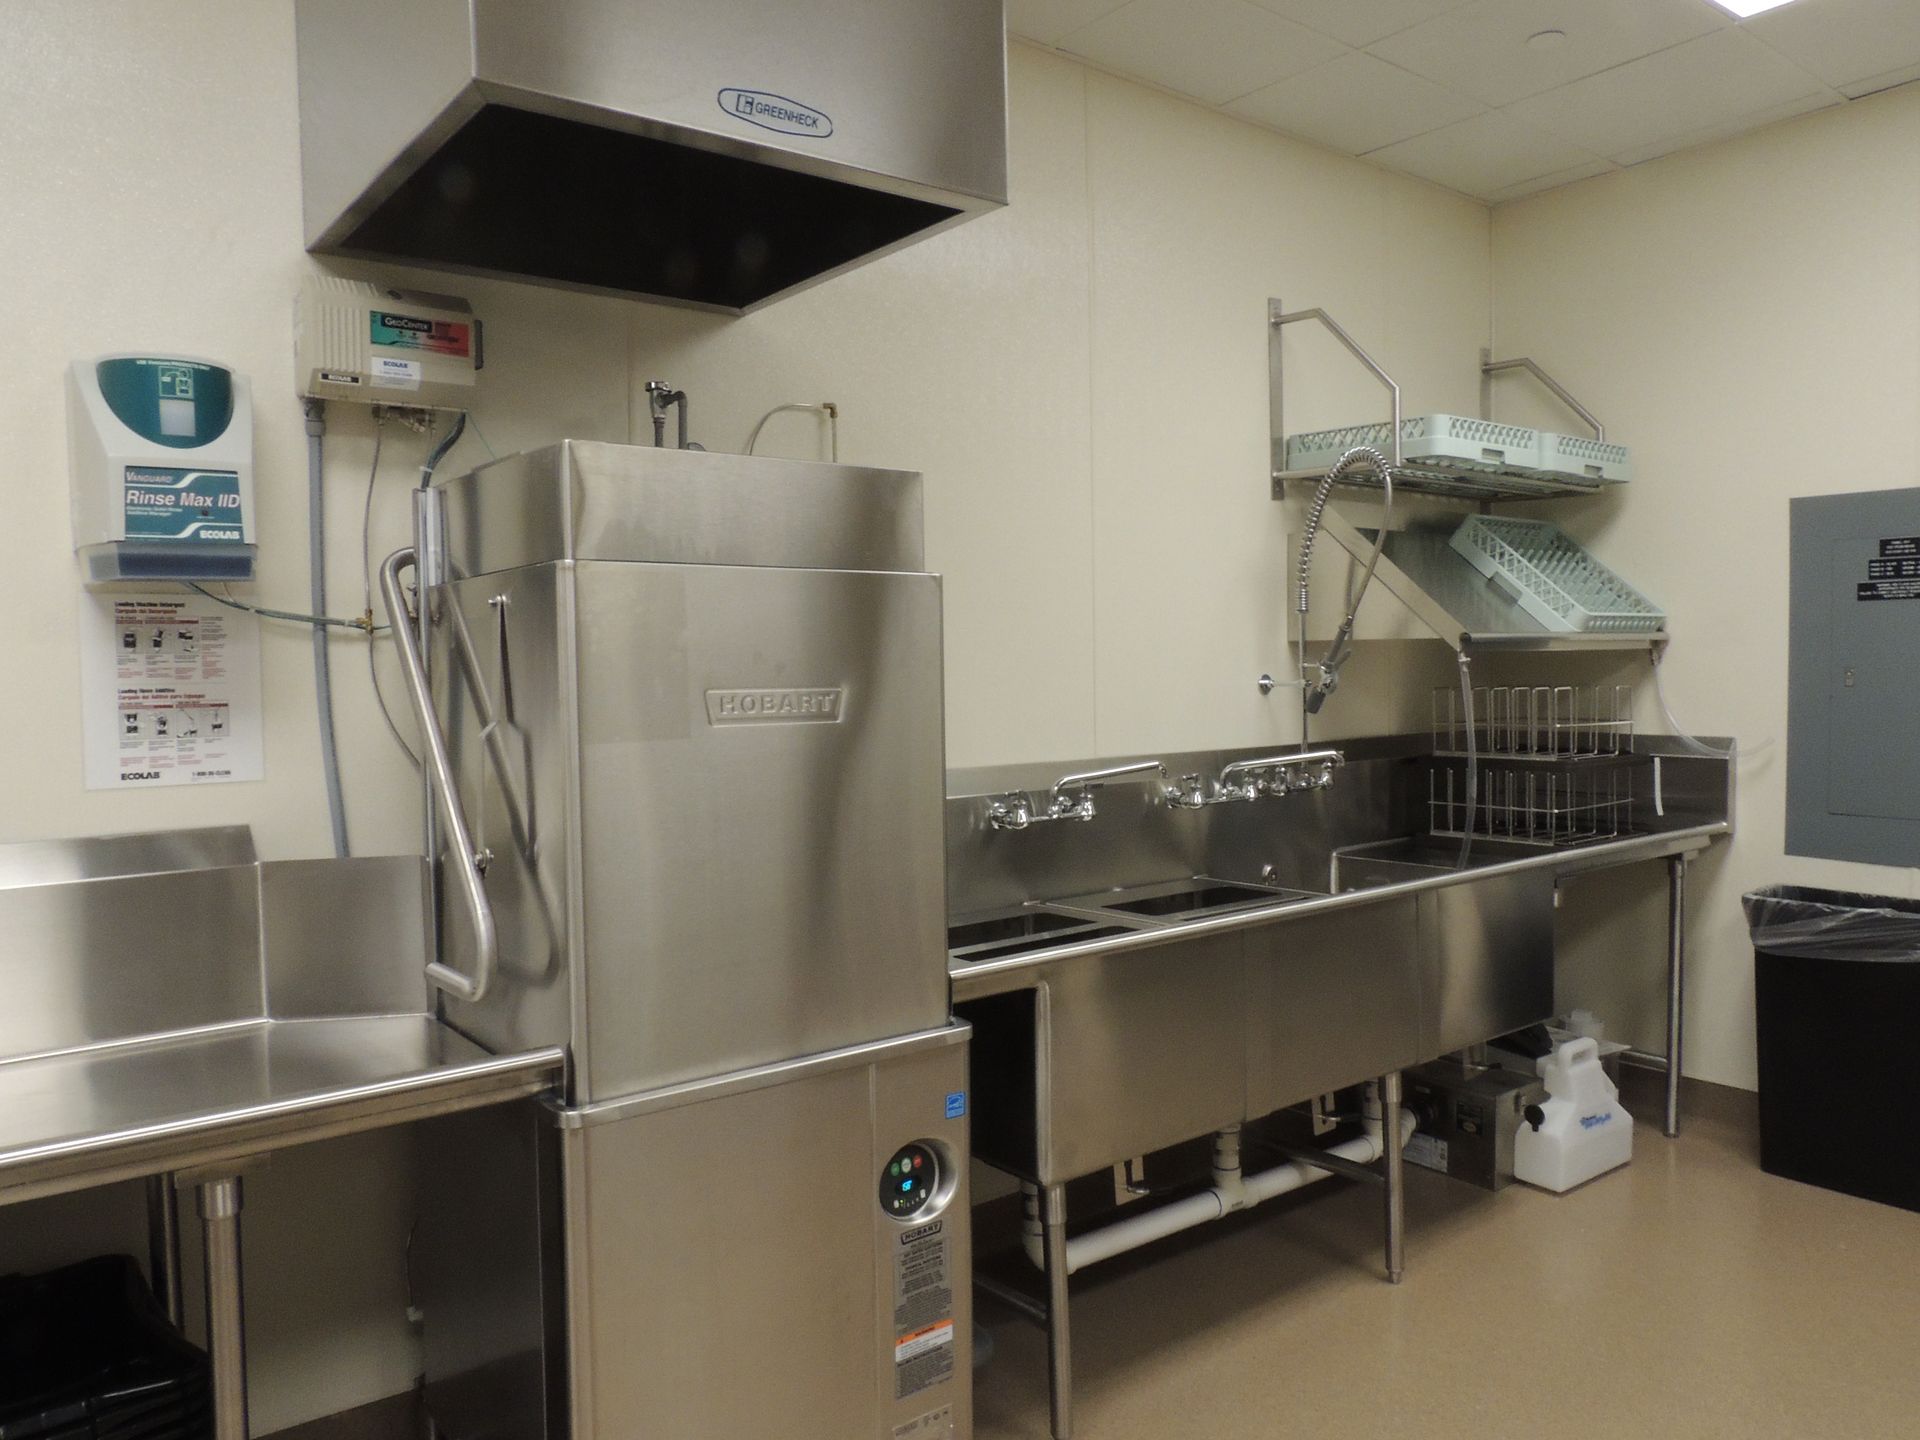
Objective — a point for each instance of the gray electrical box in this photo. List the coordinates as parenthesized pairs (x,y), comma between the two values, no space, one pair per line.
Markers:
(1853,716)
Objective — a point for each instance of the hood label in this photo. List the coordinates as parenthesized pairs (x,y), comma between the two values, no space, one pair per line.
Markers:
(776,113)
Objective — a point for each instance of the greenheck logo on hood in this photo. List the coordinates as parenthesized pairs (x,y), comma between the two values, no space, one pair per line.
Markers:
(776,113)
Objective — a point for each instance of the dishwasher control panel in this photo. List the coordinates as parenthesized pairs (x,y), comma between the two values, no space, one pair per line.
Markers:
(911,1180)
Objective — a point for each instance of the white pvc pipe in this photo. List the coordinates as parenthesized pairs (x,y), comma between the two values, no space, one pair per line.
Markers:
(1231,1191)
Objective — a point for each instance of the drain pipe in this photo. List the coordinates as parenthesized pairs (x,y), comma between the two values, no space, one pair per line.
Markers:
(1232,1190)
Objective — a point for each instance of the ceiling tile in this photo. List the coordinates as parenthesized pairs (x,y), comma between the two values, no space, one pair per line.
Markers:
(1686,90)
(1874,84)
(1051,21)
(1739,125)
(1484,155)
(1355,104)
(1483,48)
(1843,40)
(1553,181)
(1360,22)
(1214,50)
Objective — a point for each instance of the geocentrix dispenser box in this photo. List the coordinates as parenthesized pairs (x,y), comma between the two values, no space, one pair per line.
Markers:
(161,452)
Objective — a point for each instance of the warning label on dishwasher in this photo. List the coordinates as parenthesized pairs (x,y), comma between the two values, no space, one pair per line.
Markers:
(922,1310)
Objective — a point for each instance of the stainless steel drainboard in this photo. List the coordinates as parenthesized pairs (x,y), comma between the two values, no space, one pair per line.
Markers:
(1172,901)
(1029,928)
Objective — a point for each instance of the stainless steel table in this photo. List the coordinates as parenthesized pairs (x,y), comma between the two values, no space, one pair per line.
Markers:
(191,1108)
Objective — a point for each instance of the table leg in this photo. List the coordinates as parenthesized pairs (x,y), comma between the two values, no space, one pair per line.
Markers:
(1053,1223)
(1396,1169)
(1676,983)
(163,1247)
(220,1201)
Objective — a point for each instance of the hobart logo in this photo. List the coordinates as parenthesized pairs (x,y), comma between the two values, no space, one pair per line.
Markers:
(816,706)
(776,112)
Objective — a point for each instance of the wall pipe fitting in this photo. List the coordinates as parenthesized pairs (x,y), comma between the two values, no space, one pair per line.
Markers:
(1232,1190)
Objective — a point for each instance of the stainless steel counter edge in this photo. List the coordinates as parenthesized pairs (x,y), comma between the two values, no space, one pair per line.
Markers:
(695,1091)
(996,977)
(223,1136)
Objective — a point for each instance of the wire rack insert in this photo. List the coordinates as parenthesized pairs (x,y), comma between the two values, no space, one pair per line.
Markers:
(1554,764)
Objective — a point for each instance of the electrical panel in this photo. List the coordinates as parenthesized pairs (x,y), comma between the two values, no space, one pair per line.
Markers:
(160,459)
(1853,747)
(359,342)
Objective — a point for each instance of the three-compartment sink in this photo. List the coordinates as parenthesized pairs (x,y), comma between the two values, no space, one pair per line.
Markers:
(1103,914)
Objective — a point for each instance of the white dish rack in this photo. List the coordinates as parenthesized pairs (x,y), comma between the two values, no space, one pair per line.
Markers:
(1553,579)
(1465,443)
(1453,440)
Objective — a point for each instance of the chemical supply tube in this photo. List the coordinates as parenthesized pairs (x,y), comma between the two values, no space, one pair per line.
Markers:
(322,663)
(1232,1189)
(826,410)
(1473,758)
(1689,741)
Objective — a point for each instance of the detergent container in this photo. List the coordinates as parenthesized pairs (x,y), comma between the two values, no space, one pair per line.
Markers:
(1579,1131)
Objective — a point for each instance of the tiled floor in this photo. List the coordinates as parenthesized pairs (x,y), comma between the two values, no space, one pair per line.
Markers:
(1687,1296)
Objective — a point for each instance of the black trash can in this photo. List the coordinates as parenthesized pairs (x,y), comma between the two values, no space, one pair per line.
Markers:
(1837,991)
(86,1354)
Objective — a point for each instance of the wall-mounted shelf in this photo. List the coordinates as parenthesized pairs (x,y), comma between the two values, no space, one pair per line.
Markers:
(1432,476)
(1421,569)
(1476,485)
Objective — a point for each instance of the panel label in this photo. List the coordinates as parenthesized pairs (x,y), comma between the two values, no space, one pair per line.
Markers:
(1896,574)
(197,507)
(820,705)
(393,373)
(923,1328)
(956,1104)
(776,113)
(934,1425)
(1427,1151)
(409,332)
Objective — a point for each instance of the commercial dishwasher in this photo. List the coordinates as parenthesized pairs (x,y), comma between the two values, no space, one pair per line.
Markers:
(688,712)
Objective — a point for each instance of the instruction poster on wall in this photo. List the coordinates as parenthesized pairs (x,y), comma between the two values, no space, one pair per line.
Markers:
(170,689)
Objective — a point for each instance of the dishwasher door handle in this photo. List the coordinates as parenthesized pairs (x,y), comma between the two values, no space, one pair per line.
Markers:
(467,864)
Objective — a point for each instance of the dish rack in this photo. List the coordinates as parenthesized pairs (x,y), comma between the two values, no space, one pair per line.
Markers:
(1456,441)
(1553,579)
(1554,764)
(1458,457)
(1530,806)
(1536,722)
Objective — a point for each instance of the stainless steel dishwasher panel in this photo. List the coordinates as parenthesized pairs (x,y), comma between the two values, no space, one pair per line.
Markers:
(1333,1000)
(1486,959)
(1139,1050)
(760,766)
(733,1271)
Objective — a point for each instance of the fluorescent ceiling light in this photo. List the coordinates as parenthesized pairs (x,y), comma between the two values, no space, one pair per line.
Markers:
(1744,8)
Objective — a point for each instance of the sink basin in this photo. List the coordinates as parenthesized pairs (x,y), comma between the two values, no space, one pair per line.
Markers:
(1187,899)
(1415,857)
(1016,932)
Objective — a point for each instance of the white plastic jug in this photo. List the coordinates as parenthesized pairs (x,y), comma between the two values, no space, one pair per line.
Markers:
(1580,1131)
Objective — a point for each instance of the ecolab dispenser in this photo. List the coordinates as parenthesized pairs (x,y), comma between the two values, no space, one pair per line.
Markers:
(161,456)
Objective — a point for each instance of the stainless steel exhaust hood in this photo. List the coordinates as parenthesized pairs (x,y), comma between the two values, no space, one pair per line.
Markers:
(713,153)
